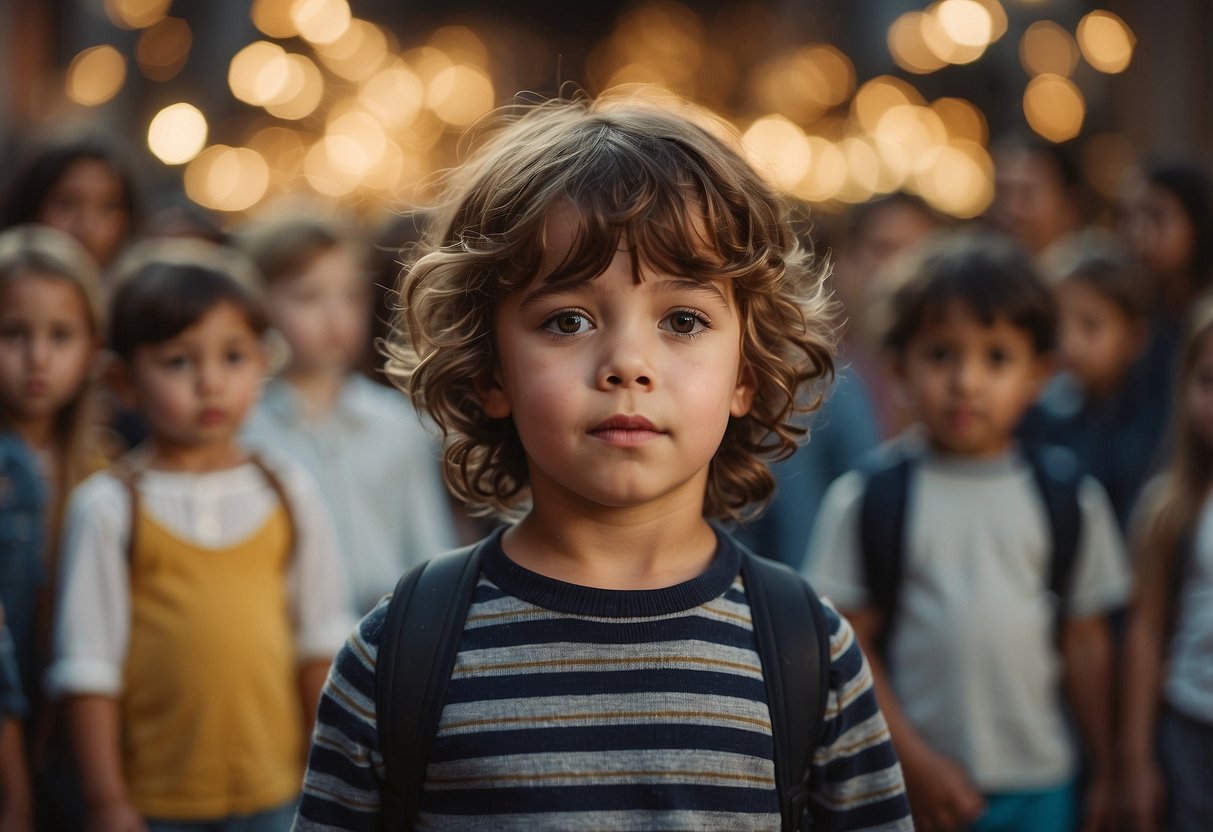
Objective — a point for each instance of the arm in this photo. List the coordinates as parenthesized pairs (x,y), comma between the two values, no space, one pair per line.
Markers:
(93,726)
(1141,781)
(941,794)
(16,803)
(855,781)
(342,788)
(1086,649)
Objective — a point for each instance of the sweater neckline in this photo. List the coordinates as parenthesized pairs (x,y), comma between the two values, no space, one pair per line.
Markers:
(575,599)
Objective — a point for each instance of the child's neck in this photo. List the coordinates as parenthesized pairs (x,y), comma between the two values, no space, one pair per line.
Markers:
(627,549)
(317,388)
(195,459)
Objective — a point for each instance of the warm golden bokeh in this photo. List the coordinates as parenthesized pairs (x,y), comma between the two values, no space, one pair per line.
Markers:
(95,75)
(177,133)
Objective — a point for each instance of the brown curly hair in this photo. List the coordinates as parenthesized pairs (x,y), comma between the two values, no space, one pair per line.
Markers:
(685,202)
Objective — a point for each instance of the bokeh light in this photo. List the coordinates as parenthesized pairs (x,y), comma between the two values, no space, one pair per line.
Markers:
(301,92)
(136,14)
(779,149)
(95,75)
(909,48)
(460,94)
(357,54)
(320,21)
(227,179)
(1047,49)
(177,133)
(273,18)
(163,49)
(1054,107)
(1106,41)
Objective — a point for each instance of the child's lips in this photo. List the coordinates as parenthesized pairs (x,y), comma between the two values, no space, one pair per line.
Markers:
(213,416)
(625,431)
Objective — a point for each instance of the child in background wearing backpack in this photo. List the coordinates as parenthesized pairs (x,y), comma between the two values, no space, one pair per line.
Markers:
(202,594)
(970,645)
(613,322)
(1099,402)
(1167,739)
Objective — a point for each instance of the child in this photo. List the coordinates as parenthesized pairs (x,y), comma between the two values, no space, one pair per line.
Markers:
(16,805)
(613,323)
(50,331)
(1097,403)
(80,184)
(354,436)
(1038,192)
(202,589)
(1168,700)
(967,671)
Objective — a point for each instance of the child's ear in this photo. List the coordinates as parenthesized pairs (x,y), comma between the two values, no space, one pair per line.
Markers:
(116,374)
(492,395)
(743,393)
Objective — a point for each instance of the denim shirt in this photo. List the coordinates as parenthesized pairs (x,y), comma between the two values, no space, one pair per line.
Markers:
(22,532)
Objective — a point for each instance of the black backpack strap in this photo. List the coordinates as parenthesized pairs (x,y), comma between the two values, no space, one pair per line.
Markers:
(416,654)
(794,645)
(882,528)
(1058,474)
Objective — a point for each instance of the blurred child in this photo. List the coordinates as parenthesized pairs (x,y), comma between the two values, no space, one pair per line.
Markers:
(962,637)
(82,185)
(1038,193)
(1167,721)
(50,331)
(614,323)
(202,593)
(355,436)
(1097,402)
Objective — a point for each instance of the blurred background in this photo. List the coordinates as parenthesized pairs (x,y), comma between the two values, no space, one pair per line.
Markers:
(232,104)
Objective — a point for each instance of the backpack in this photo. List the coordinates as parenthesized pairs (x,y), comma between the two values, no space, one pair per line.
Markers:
(1057,474)
(420,640)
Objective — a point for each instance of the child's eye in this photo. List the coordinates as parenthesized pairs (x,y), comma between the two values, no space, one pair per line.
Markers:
(63,335)
(999,357)
(938,354)
(11,333)
(175,362)
(684,322)
(236,357)
(567,323)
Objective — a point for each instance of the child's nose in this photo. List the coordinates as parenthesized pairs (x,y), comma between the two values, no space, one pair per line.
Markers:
(625,366)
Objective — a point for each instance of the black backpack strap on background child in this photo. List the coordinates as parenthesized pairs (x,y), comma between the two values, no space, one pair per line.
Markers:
(1058,474)
(882,525)
(417,652)
(794,645)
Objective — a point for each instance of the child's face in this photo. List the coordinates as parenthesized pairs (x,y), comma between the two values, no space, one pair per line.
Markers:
(88,202)
(46,345)
(323,312)
(1161,234)
(1097,340)
(620,391)
(968,383)
(1030,203)
(1198,396)
(196,388)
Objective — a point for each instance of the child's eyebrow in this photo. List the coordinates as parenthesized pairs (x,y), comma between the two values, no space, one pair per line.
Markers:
(668,284)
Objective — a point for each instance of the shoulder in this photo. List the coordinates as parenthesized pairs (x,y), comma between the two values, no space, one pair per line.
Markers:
(100,493)
(355,663)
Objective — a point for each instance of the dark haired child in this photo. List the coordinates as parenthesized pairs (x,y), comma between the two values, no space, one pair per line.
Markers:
(613,323)
(970,646)
(1167,707)
(1099,399)
(1038,192)
(81,184)
(202,593)
(354,436)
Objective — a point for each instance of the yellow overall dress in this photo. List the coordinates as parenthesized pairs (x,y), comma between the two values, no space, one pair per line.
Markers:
(211,720)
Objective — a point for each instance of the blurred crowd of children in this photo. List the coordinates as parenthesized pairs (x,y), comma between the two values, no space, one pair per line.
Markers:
(137,434)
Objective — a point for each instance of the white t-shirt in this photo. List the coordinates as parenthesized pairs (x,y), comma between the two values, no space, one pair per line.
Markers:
(1189,684)
(972,659)
(212,510)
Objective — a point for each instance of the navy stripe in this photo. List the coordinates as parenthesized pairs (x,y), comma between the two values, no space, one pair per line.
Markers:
(556,630)
(626,797)
(603,738)
(331,813)
(590,683)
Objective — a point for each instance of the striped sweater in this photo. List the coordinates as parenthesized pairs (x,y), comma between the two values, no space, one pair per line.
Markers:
(579,708)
